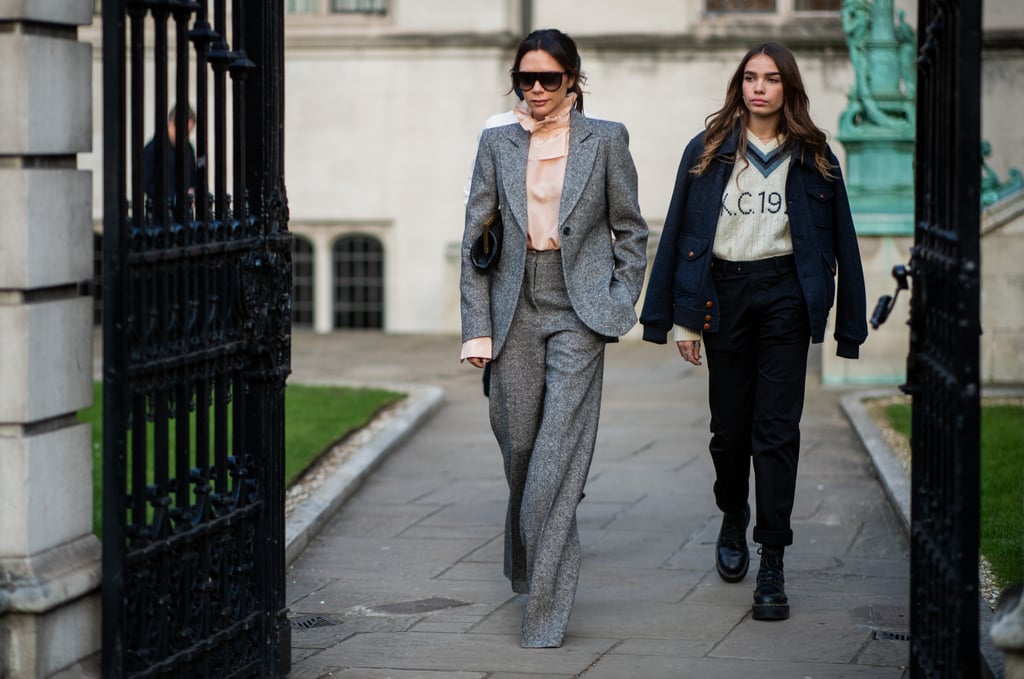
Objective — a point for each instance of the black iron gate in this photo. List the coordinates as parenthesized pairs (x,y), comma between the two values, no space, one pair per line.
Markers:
(196,340)
(942,367)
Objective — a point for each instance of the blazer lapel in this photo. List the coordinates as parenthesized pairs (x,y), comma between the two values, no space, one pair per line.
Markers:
(578,166)
(513,171)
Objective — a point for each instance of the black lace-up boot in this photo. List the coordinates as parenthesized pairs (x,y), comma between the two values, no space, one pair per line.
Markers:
(770,602)
(731,554)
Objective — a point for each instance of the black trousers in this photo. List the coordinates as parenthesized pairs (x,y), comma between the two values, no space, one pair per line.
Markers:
(757,366)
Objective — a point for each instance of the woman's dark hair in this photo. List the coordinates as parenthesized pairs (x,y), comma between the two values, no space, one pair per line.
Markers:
(795,123)
(563,49)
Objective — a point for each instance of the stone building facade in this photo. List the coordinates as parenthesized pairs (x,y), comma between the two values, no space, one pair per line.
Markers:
(384,101)
(383,107)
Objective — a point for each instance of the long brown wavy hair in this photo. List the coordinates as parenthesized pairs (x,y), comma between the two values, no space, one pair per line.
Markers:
(800,132)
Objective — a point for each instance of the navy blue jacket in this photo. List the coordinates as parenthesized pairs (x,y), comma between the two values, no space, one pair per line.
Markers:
(680,290)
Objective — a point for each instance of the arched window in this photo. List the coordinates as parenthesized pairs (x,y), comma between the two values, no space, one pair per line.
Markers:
(302,281)
(358,282)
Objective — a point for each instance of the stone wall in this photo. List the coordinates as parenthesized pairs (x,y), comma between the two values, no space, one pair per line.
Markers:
(1002,292)
(49,558)
(1001,345)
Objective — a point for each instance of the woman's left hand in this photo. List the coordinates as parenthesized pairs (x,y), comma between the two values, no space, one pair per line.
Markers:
(478,362)
(690,351)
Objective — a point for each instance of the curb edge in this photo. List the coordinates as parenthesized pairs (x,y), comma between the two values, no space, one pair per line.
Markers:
(309,518)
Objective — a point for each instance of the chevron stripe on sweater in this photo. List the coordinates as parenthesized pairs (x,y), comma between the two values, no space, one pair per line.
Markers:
(766,163)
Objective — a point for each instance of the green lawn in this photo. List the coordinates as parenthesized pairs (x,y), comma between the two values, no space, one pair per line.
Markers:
(1002,485)
(315,419)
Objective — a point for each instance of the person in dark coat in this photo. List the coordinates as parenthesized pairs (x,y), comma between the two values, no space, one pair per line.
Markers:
(758,229)
(149,162)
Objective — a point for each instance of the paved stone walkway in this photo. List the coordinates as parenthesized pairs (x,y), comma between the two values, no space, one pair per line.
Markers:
(405,580)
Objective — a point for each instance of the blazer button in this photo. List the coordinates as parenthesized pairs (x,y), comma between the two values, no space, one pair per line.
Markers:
(566,231)
(707,326)
(708,304)
(707,318)
(690,254)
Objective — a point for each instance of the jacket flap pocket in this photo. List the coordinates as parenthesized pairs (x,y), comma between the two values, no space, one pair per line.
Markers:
(692,248)
(822,194)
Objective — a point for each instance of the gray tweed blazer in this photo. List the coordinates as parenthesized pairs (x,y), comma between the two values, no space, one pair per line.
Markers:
(603,235)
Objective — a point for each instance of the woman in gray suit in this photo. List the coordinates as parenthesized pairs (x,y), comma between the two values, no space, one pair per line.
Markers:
(568,276)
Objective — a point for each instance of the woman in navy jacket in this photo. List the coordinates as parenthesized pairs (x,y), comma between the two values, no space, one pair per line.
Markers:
(758,229)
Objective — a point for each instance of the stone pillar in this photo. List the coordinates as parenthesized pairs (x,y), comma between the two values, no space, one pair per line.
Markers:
(323,281)
(49,557)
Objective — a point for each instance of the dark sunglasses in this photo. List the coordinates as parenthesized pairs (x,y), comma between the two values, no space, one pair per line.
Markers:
(549,80)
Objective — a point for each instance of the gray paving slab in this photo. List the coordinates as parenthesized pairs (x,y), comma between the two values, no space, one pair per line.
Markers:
(616,666)
(429,651)
(362,596)
(426,523)
(364,673)
(615,584)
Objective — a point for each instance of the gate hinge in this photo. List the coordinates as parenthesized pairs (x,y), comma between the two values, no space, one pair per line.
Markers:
(886,302)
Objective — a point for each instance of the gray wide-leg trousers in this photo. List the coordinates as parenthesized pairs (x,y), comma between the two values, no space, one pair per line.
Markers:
(544,408)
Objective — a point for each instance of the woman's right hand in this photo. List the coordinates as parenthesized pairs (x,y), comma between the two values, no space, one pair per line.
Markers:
(690,351)
(478,362)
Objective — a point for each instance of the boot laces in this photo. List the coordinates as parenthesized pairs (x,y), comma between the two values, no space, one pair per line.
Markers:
(771,565)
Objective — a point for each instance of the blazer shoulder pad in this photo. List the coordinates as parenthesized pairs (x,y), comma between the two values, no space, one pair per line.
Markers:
(513,133)
(609,128)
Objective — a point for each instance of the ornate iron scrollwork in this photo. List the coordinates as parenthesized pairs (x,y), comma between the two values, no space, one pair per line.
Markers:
(196,353)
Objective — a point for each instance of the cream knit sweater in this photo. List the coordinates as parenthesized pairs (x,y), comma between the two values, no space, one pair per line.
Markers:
(752,221)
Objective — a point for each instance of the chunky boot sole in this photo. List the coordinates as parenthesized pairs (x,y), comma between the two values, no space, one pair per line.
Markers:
(771,611)
(732,577)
